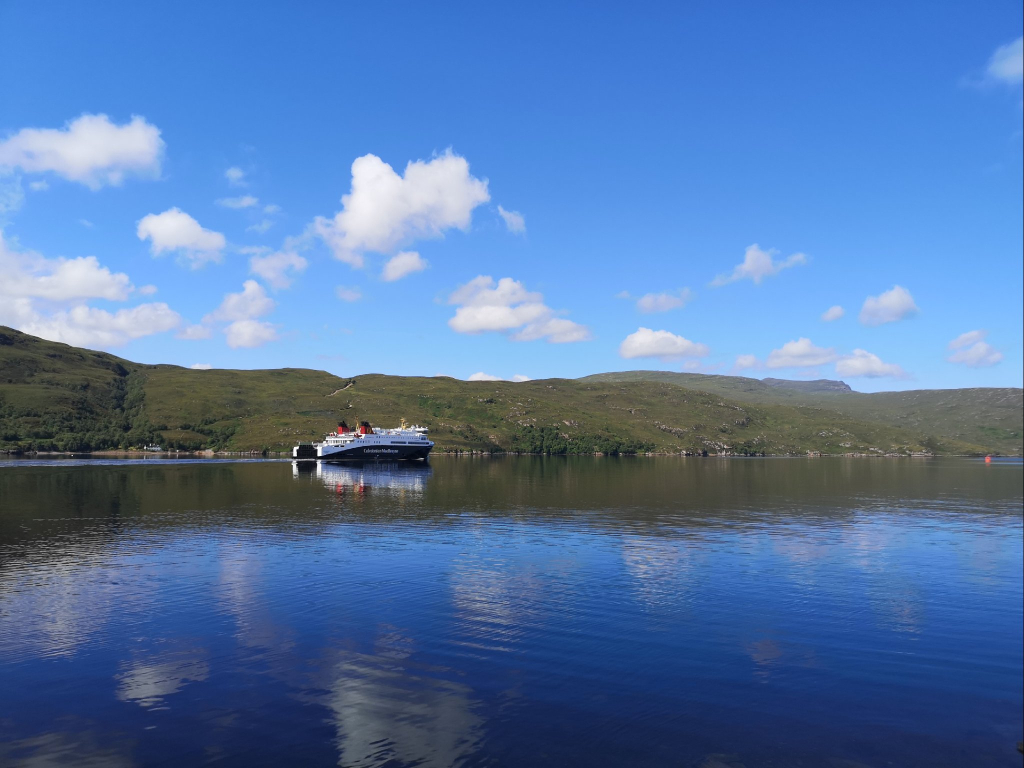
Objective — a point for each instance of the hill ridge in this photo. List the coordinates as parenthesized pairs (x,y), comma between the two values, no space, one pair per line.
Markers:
(58,397)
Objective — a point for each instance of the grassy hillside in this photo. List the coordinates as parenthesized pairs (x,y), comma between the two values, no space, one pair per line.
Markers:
(992,417)
(60,398)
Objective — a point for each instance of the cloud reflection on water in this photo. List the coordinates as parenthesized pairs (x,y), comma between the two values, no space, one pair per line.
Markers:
(387,709)
(147,681)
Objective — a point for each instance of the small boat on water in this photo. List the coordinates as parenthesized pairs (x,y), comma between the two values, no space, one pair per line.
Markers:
(366,443)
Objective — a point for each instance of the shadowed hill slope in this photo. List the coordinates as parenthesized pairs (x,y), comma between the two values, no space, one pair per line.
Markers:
(56,397)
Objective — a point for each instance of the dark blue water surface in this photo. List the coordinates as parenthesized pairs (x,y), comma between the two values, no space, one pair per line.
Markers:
(512,612)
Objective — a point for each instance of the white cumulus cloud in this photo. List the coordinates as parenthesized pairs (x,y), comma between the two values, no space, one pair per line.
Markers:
(384,210)
(176,231)
(277,268)
(402,264)
(800,354)
(240,311)
(888,307)
(833,313)
(29,275)
(758,264)
(45,297)
(663,344)
(235,176)
(514,220)
(251,302)
(744,362)
(249,333)
(1007,63)
(864,364)
(507,306)
(663,302)
(90,150)
(84,326)
(972,350)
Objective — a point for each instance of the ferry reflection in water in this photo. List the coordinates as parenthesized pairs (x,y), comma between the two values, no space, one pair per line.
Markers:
(360,478)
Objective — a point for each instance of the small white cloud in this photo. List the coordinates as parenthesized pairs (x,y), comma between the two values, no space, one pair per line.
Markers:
(699,366)
(745,362)
(252,302)
(38,186)
(663,302)
(12,197)
(176,231)
(245,201)
(481,376)
(402,264)
(832,313)
(972,350)
(384,210)
(261,227)
(758,264)
(557,330)
(506,306)
(271,209)
(662,344)
(235,176)
(90,150)
(1007,63)
(275,267)
(148,290)
(864,364)
(888,307)
(86,223)
(514,220)
(249,333)
(194,332)
(348,294)
(201,366)
(800,354)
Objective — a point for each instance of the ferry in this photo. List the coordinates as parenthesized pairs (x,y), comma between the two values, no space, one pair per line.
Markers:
(366,443)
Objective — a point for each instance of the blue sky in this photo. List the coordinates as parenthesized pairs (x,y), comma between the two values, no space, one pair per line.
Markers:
(675,187)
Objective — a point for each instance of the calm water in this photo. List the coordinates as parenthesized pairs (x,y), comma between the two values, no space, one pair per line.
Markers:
(512,612)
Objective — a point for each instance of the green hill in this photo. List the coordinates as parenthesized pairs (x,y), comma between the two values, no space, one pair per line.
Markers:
(56,397)
(991,417)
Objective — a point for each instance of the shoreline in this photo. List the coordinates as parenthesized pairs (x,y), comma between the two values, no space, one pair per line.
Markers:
(209,454)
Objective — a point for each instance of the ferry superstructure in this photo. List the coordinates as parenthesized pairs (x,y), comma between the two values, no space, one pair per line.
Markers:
(366,443)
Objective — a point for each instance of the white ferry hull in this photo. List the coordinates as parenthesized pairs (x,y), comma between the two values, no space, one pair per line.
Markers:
(357,452)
